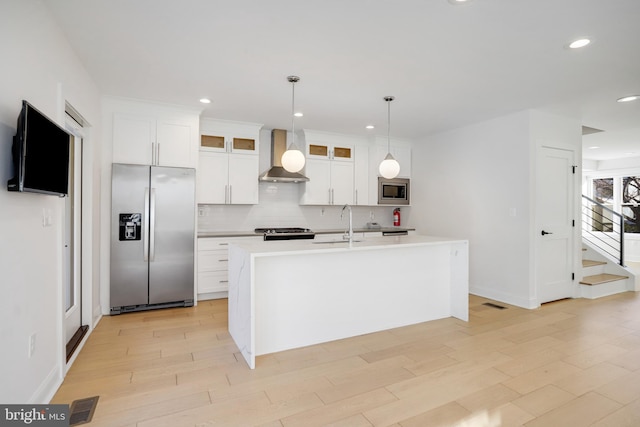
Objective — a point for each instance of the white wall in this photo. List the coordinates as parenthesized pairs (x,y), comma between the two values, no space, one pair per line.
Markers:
(473,183)
(478,183)
(37,65)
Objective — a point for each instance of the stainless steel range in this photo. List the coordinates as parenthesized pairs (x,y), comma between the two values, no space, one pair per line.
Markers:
(285,233)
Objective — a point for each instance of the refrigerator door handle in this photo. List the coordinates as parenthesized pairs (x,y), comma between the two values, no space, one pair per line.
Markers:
(152,225)
(145,226)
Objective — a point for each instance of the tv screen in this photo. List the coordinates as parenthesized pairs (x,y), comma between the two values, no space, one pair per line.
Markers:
(40,154)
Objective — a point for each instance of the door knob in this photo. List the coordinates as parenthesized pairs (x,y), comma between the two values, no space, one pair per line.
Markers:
(545,232)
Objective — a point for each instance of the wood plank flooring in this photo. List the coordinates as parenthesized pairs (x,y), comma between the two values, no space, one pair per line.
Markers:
(569,363)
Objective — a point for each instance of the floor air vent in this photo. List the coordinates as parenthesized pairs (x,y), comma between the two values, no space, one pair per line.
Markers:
(492,305)
(81,410)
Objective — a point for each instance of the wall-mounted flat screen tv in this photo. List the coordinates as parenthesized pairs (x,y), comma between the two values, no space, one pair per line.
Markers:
(40,154)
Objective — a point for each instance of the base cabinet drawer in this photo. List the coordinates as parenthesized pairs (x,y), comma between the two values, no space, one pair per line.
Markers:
(213,265)
(213,281)
(213,260)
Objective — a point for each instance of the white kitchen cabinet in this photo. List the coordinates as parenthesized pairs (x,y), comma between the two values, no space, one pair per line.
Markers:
(227,178)
(159,140)
(330,183)
(229,137)
(328,151)
(213,261)
(229,163)
(330,169)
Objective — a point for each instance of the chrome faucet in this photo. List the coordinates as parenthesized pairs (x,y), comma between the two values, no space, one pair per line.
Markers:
(348,234)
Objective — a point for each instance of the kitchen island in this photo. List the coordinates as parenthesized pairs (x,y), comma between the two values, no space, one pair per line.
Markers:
(294,293)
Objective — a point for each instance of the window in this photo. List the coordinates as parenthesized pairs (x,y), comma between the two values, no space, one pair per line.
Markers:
(620,194)
(630,200)
(603,193)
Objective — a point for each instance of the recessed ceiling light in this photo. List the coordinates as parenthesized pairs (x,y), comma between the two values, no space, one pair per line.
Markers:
(298,114)
(577,44)
(459,1)
(205,100)
(595,147)
(629,98)
(370,126)
(630,153)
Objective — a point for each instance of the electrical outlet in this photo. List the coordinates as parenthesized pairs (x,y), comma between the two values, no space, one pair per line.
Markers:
(32,344)
(200,211)
(371,215)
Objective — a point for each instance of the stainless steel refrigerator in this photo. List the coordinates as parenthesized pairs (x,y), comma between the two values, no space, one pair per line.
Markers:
(152,237)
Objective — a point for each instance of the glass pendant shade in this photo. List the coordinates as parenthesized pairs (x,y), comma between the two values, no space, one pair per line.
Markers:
(293,160)
(389,167)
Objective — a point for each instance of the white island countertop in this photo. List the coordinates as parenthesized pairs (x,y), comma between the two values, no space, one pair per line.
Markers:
(293,293)
(290,247)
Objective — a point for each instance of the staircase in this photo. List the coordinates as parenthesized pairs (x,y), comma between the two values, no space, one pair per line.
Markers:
(601,277)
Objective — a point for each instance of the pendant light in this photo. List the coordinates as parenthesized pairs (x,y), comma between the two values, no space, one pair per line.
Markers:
(293,159)
(389,167)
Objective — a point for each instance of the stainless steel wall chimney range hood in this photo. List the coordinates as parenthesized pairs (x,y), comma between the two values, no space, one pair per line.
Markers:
(277,173)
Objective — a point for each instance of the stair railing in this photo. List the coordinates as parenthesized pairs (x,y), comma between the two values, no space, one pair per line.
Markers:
(603,228)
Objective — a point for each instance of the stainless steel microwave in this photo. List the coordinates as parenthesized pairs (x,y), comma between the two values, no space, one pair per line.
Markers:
(393,191)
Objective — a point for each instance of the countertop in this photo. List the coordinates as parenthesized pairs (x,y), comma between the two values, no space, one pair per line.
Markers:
(323,231)
(290,247)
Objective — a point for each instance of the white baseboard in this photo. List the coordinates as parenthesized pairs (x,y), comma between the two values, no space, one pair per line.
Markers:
(504,297)
(48,388)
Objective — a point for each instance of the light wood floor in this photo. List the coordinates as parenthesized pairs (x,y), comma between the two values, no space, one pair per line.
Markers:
(571,363)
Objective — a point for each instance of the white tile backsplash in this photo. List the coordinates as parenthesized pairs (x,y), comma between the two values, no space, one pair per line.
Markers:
(279,208)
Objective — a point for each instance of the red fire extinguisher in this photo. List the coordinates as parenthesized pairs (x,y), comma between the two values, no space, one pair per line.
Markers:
(396,217)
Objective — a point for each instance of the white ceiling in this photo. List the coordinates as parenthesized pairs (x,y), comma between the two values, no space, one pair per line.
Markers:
(447,65)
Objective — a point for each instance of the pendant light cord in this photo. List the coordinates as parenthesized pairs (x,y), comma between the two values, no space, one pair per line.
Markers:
(389,99)
(293,110)
(389,125)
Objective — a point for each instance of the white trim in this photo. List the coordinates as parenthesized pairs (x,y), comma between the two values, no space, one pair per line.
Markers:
(48,387)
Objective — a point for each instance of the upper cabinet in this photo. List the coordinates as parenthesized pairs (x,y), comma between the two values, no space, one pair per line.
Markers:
(229,165)
(152,134)
(342,152)
(330,169)
(229,137)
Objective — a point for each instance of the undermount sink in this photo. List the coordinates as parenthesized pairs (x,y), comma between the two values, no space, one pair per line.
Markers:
(335,241)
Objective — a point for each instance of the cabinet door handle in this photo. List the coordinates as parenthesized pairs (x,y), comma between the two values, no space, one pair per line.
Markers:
(223,260)
(153,153)
(230,194)
(356,200)
(223,244)
(157,153)
(223,281)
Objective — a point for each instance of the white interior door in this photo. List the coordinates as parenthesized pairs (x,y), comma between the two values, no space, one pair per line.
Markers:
(73,242)
(555,216)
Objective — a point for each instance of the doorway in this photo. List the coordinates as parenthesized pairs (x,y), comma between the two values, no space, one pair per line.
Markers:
(74,330)
(556,222)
